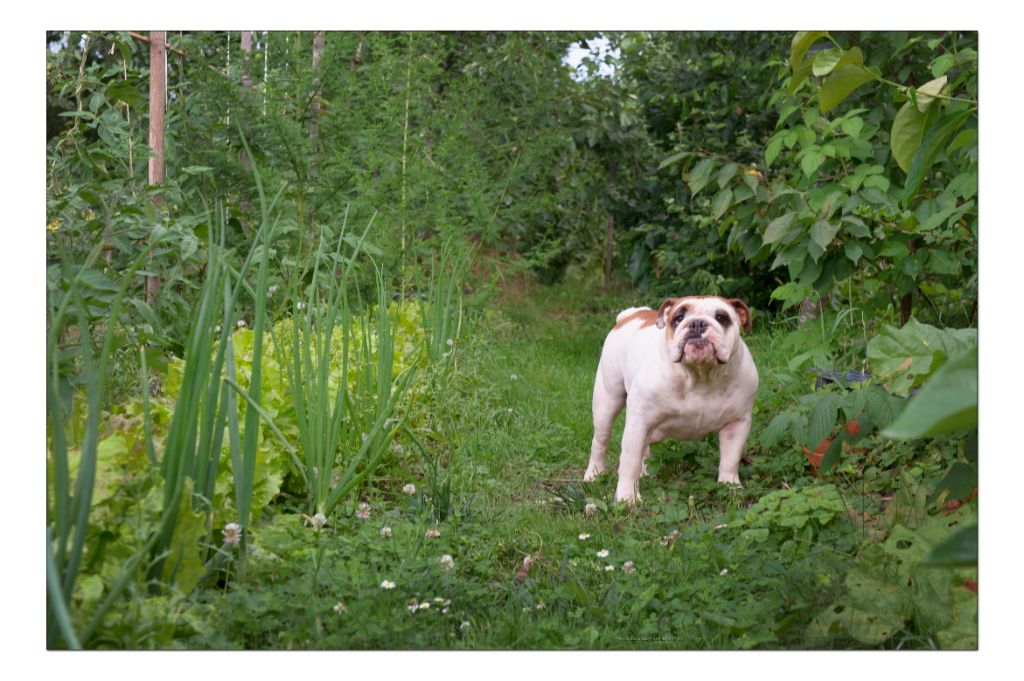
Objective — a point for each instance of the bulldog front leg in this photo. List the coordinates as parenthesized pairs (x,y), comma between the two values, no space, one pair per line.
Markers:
(731,439)
(631,461)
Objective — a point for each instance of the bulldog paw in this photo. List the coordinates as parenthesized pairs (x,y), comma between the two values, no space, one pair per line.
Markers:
(593,470)
(730,479)
(629,495)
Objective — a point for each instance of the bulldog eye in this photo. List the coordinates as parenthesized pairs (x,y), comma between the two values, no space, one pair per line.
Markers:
(677,320)
(722,318)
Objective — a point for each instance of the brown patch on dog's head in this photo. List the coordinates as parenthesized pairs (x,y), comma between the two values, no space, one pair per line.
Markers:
(743,311)
(646,316)
(662,314)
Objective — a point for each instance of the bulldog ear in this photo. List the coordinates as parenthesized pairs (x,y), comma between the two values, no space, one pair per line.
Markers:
(665,307)
(743,311)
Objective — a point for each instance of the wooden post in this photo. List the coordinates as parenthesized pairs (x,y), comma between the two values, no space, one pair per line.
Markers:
(244,203)
(157,100)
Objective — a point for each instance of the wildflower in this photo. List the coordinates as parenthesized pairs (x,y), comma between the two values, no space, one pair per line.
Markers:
(447,562)
(450,342)
(397,448)
(216,329)
(584,536)
(438,599)
(387,584)
(409,489)
(364,511)
(603,553)
(232,533)
(609,568)
(88,214)
(628,567)
(465,625)
(722,526)
(513,377)
(526,609)
(424,606)
(240,324)
(385,532)
(590,509)
(53,226)
(300,305)
(432,533)
(510,410)
(318,521)
(414,607)
(540,606)
(724,572)
(339,607)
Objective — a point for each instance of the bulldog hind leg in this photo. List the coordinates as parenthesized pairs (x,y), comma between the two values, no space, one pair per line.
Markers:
(606,406)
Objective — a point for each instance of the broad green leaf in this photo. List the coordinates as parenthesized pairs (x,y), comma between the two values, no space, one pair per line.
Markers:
(823,419)
(699,176)
(853,251)
(843,81)
(721,203)
(958,483)
(903,358)
(825,61)
(674,158)
(943,64)
(822,233)
(926,93)
(948,402)
(933,142)
(960,550)
(906,134)
(778,228)
(727,172)
(802,41)
(771,152)
(852,126)
(811,161)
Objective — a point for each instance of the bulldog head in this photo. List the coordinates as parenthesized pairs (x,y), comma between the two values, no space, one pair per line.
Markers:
(703,329)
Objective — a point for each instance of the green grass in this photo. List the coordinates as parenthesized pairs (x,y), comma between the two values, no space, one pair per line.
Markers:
(508,426)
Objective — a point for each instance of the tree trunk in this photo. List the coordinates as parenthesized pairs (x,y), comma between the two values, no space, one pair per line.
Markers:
(157,101)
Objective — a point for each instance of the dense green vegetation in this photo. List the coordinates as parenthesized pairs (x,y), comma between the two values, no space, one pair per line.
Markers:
(327,385)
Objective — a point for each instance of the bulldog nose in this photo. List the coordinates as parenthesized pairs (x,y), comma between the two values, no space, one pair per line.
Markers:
(697,327)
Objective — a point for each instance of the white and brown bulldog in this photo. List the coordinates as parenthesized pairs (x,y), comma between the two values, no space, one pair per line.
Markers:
(682,372)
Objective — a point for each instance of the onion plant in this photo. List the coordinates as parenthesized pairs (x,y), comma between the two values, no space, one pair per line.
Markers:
(442,307)
(356,414)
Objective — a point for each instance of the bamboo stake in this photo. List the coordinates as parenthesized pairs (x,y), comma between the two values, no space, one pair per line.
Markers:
(157,95)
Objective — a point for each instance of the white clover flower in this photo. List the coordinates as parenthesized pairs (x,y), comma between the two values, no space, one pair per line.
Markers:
(510,410)
(628,567)
(451,342)
(339,607)
(513,377)
(447,562)
(409,489)
(414,607)
(540,606)
(232,533)
(724,572)
(438,599)
(216,329)
(609,568)
(364,511)
(465,625)
(584,536)
(432,533)
(590,509)
(318,521)
(424,606)
(603,553)
(387,584)
(385,532)
(300,305)
(240,323)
